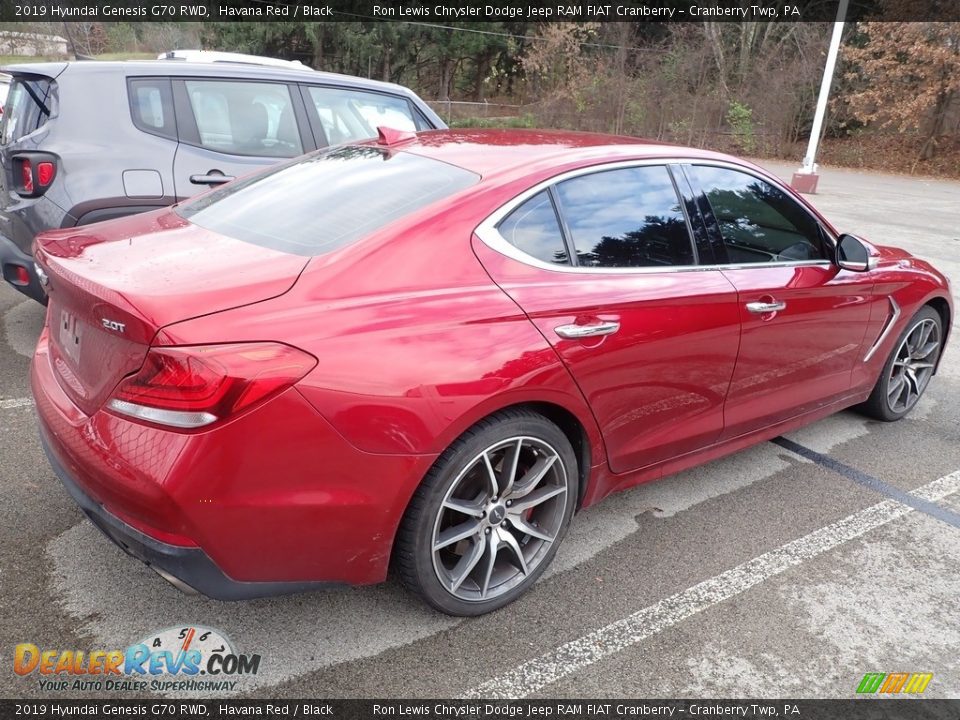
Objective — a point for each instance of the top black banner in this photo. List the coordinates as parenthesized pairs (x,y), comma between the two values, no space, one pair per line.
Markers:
(473,11)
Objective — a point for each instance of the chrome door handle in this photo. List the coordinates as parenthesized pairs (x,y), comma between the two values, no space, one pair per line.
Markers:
(575,332)
(766,307)
(210,179)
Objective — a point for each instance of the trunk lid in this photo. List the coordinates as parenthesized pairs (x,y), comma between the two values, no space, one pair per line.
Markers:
(113,285)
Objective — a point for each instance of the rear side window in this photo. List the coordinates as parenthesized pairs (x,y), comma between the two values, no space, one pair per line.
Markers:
(151,106)
(244,118)
(350,115)
(534,229)
(327,200)
(29,105)
(626,218)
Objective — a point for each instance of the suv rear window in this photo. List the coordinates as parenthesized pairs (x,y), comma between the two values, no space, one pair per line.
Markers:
(28,107)
(327,200)
(151,106)
(348,115)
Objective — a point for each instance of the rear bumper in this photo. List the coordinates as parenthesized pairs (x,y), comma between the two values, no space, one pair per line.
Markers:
(274,501)
(187,568)
(12,257)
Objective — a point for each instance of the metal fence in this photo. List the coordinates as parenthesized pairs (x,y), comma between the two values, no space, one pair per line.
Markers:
(460,109)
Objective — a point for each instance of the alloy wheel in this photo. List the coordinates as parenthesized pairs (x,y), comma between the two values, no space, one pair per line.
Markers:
(913,365)
(499,518)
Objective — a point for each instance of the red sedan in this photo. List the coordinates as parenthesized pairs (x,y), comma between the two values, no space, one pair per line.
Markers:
(432,350)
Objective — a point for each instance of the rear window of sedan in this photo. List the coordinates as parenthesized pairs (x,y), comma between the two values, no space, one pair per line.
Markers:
(327,200)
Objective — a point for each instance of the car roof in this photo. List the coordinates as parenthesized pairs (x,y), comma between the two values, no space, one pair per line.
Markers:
(175,68)
(490,152)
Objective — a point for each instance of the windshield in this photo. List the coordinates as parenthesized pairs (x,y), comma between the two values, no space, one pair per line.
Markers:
(327,200)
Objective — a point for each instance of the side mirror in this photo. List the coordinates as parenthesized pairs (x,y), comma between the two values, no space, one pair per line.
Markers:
(853,254)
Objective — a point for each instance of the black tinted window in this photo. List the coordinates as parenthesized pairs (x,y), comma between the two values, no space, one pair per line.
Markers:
(151,106)
(626,218)
(533,228)
(28,107)
(759,222)
(326,200)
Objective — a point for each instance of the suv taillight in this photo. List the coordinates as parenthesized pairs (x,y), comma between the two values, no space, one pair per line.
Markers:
(192,387)
(26,176)
(33,173)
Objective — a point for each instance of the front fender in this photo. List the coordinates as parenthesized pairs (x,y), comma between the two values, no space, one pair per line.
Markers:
(911,283)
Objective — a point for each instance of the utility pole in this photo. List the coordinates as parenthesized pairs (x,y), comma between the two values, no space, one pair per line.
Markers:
(805,179)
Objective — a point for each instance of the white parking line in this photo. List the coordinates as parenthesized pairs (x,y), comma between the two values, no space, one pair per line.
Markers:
(358,622)
(578,654)
(12,403)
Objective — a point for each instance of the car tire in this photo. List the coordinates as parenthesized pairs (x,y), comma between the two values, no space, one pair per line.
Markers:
(477,534)
(908,369)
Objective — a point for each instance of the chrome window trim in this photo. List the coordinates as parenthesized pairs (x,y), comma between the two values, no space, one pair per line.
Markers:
(783,264)
(487,230)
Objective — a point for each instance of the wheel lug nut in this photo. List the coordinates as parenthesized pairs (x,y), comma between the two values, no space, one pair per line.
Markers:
(487,531)
(509,503)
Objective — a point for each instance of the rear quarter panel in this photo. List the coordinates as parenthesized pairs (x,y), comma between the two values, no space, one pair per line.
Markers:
(414,341)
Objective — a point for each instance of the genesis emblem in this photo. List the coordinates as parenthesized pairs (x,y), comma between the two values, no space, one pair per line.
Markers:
(113,325)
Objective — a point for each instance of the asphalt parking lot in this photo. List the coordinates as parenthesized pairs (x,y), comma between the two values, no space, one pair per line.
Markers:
(764,574)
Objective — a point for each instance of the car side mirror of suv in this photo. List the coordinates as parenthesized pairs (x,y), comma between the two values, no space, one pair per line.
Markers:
(853,254)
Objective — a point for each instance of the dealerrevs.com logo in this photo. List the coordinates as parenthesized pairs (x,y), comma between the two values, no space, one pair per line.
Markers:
(178,659)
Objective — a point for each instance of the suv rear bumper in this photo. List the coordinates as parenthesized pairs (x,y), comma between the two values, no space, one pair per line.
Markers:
(189,569)
(12,257)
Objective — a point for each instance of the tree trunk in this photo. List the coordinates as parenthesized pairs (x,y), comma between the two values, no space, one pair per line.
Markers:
(317,61)
(747,35)
(446,67)
(712,32)
(929,147)
(483,67)
(387,67)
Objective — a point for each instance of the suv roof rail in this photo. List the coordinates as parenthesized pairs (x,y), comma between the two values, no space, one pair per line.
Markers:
(230,57)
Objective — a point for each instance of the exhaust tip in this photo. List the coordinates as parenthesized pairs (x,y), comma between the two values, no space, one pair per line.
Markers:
(175,581)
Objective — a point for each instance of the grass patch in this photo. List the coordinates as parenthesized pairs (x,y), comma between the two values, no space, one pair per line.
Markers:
(20,59)
(127,56)
(524,121)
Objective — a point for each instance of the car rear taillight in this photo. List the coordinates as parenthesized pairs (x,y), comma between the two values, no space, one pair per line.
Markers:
(34,173)
(192,387)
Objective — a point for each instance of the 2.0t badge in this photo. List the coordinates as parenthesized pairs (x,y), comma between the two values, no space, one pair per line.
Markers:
(113,325)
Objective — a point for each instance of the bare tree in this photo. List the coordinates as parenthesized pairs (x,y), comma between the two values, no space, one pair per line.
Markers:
(908,76)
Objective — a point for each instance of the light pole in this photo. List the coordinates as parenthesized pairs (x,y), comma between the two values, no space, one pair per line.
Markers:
(805,179)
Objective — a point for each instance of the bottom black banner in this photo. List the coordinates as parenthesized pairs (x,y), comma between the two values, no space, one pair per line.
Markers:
(868,709)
